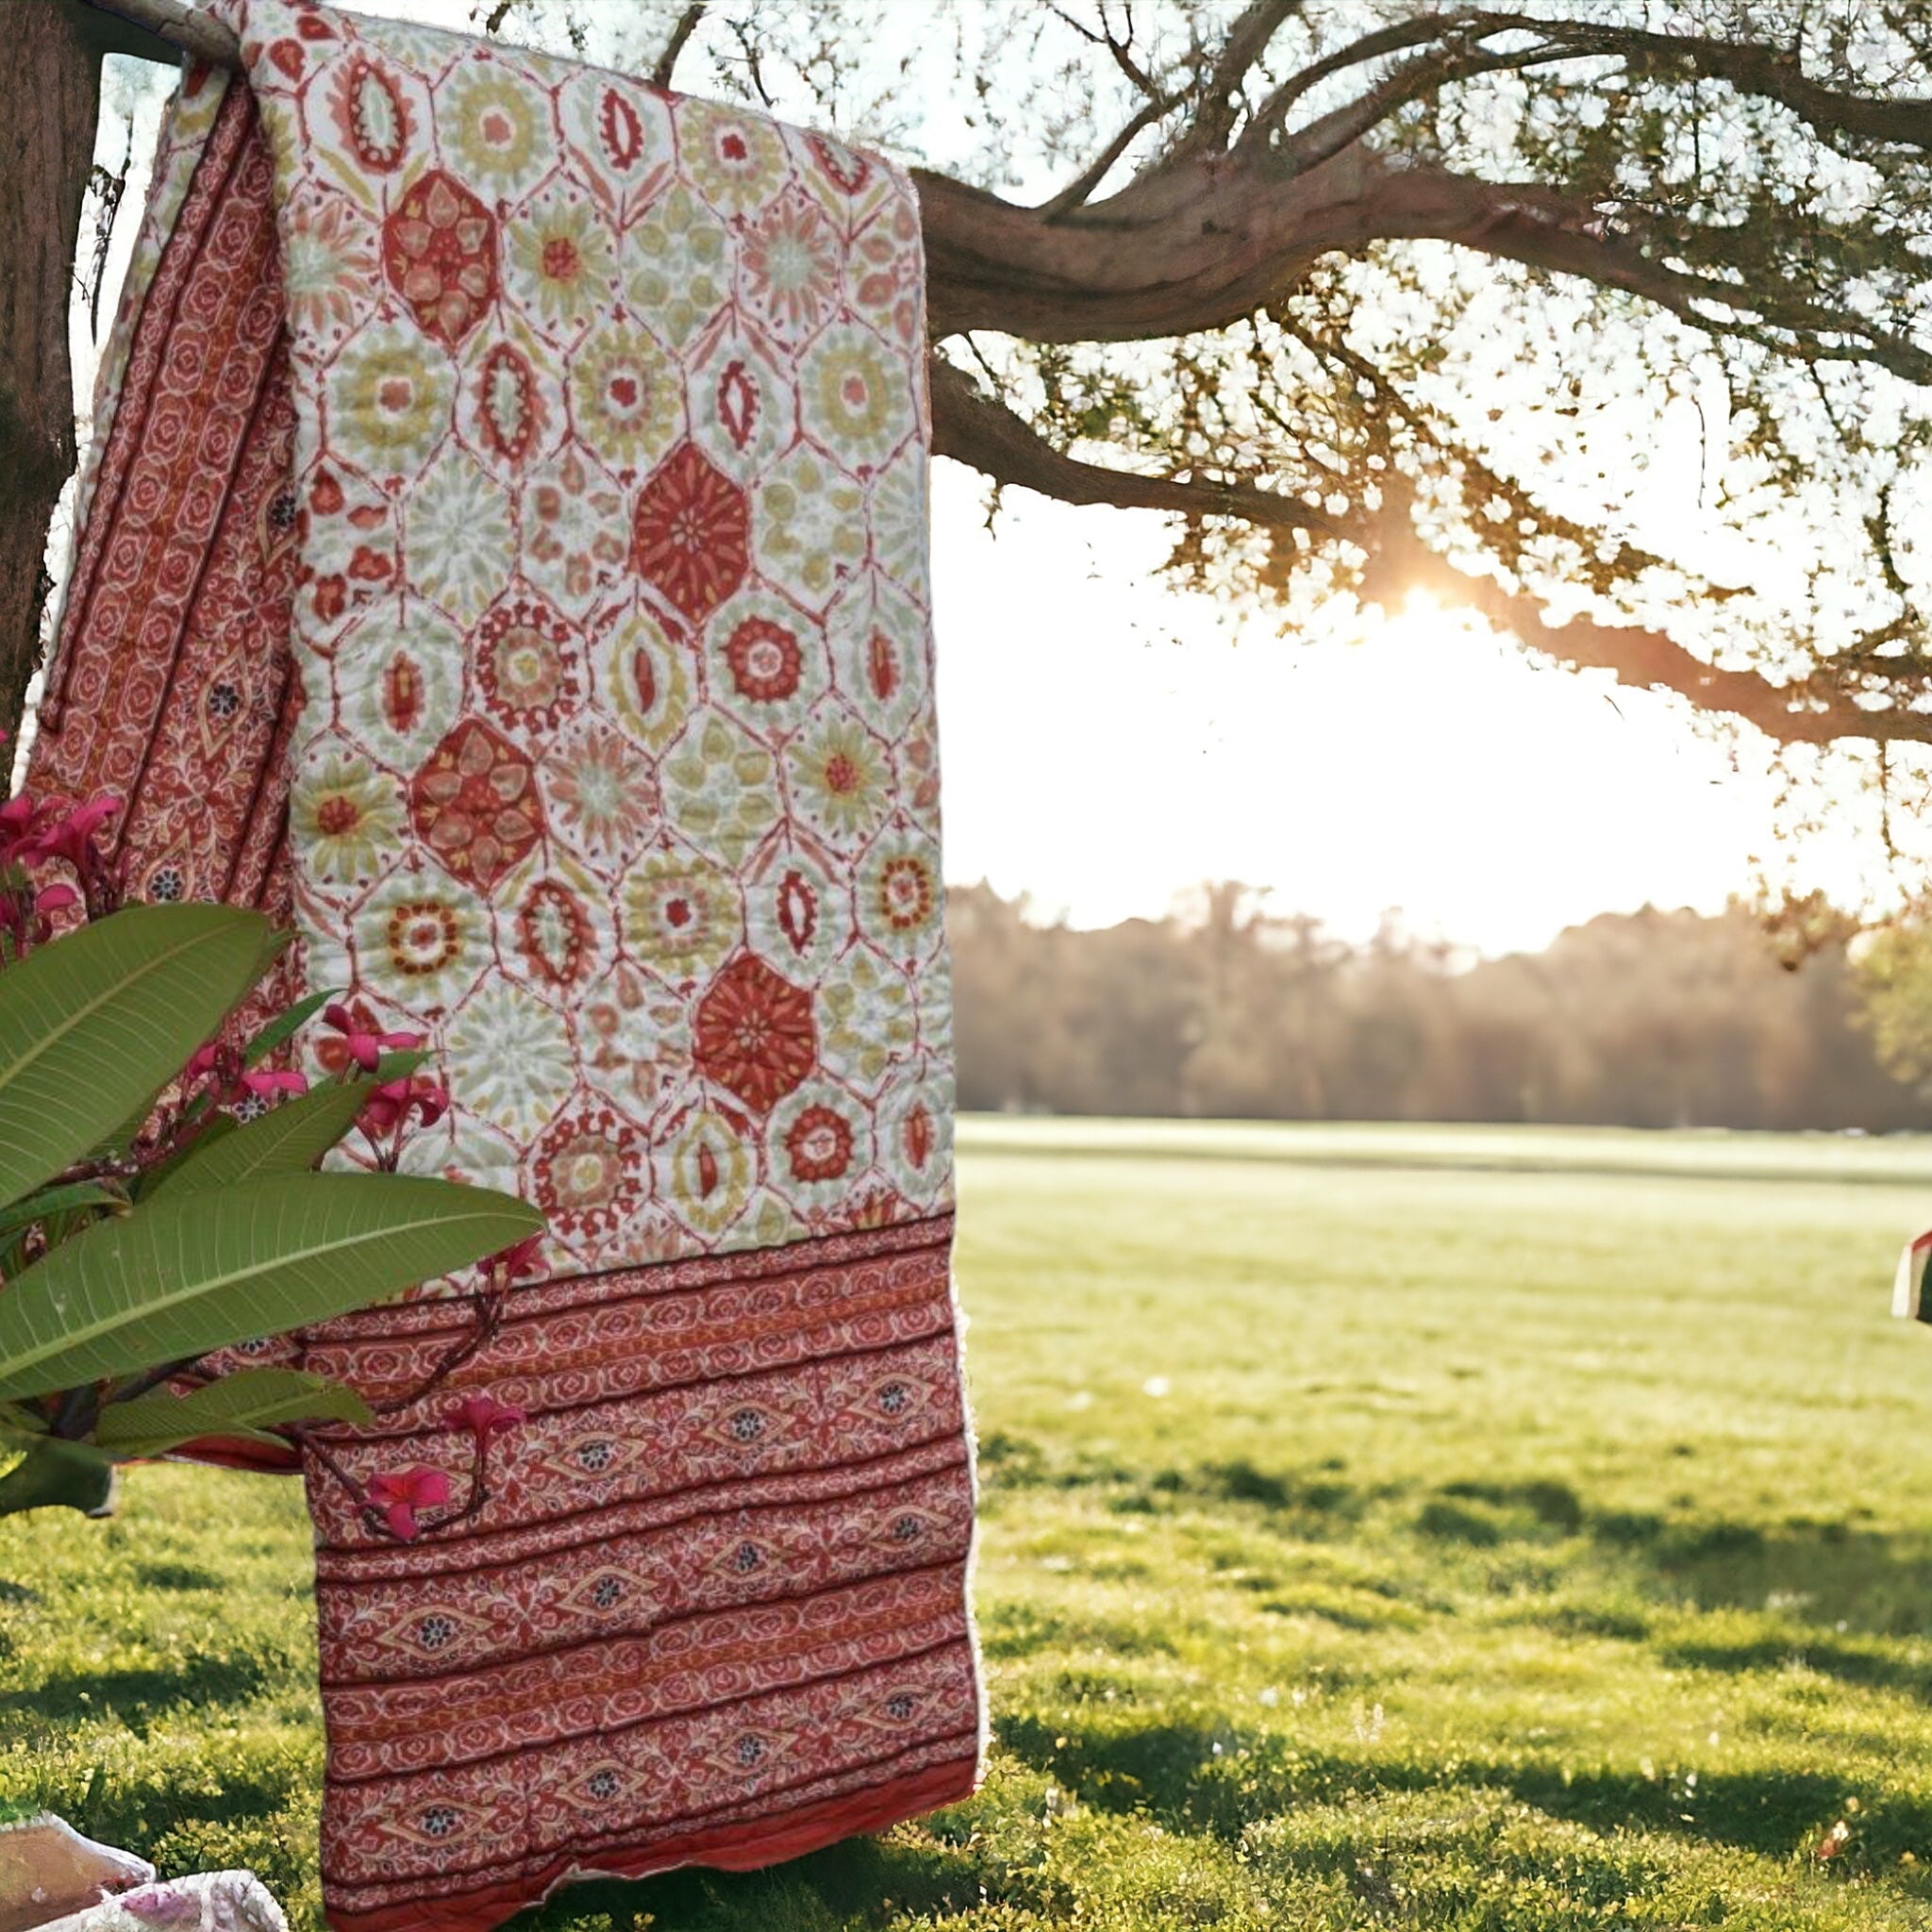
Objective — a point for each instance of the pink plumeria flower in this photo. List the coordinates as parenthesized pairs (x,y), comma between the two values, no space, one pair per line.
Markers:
(362,1041)
(483,1416)
(398,1496)
(394,1101)
(71,838)
(203,1063)
(431,1098)
(19,817)
(515,1261)
(266,1082)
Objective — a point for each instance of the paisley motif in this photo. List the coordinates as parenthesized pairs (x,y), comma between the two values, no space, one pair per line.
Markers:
(373,116)
(620,131)
(554,934)
(509,408)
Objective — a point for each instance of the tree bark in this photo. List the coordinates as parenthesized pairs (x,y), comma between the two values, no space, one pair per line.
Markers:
(49,102)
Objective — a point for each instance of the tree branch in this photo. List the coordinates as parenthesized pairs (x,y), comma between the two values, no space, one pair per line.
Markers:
(1121,51)
(1411,81)
(186,29)
(1387,39)
(1180,252)
(1247,41)
(1752,68)
(976,428)
(667,61)
(1806,712)
(1076,191)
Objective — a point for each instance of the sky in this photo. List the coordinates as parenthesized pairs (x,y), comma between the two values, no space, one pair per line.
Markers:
(1108,743)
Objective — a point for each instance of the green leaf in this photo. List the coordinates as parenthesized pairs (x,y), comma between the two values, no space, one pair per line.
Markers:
(289,1138)
(244,1403)
(94,1024)
(59,1475)
(20,1424)
(218,1128)
(399,1065)
(61,1200)
(285,1027)
(200,1270)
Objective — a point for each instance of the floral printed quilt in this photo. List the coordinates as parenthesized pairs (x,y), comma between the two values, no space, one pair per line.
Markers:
(503,556)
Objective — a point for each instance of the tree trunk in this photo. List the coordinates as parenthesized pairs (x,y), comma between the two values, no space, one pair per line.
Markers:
(49,102)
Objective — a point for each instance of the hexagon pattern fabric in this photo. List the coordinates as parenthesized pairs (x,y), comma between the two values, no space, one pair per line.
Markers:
(504,555)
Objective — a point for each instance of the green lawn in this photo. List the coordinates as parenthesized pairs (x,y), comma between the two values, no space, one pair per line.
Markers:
(1383,1528)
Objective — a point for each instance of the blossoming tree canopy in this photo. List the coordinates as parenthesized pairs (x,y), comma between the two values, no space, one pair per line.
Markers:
(1607,322)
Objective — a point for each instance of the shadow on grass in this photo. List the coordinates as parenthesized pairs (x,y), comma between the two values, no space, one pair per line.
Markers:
(1207,1779)
(1846,1664)
(1008,1630)
(1315,1500)
(1771,1812)
(138,1696)
(922,1876)
(1817,1573)
(178,1576)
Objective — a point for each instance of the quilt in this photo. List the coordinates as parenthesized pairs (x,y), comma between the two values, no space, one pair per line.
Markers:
(503,558)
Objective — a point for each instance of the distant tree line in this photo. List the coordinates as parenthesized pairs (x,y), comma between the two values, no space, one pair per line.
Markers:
(1651,1019)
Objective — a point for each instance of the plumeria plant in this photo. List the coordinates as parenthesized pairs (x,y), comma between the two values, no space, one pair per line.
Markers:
(159,1202)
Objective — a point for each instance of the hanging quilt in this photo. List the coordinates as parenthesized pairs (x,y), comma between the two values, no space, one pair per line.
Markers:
(503,558)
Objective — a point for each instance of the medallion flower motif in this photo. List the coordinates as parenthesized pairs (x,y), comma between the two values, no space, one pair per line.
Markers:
(752,1034)
(475,804)
(492,124)
(791,264)
(811,527)
(839,776)
(626,396)
(396,1497)
(389,402)
(587,1176)
(510,1057)
(418,940)
(575,537)
(902,892)
(855,397)
(765,661)
(561,259)
(679,265)
(819,1145)
(722,789)
(423,936)
(345,817)
(869,1019)
(438,249)
(680,915)
(527,661)
(601,792)
(458,534)
(691,534)
(737,161)
(328,265)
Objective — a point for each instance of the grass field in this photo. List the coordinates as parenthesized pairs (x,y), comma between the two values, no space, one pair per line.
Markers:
(1505,1532)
